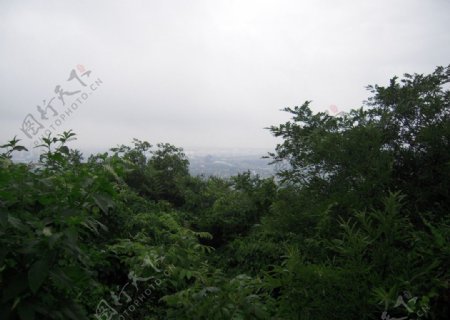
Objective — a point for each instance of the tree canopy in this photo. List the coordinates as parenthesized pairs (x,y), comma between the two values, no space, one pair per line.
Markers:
(356,224)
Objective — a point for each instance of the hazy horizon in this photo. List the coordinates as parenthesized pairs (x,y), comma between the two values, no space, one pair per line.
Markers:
(203,74)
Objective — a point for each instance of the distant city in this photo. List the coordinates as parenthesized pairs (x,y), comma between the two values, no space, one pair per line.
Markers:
(229,162)
(206,162)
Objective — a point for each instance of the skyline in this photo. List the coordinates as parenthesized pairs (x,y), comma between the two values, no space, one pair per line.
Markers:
(204,75)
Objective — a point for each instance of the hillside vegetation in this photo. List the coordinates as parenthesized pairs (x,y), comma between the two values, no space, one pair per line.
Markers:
(356,226)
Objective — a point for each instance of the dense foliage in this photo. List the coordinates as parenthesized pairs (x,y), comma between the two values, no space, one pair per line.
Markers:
(356,226)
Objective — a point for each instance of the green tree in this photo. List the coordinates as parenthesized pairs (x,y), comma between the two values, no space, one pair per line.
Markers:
(398,141)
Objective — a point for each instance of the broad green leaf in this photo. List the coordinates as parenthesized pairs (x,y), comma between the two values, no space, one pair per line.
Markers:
(16,223)
(104,202)
(37,275)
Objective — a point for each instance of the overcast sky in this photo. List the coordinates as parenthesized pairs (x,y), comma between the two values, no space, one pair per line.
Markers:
(203,73)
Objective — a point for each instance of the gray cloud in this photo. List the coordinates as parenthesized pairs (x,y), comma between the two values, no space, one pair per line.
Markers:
(209,73)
